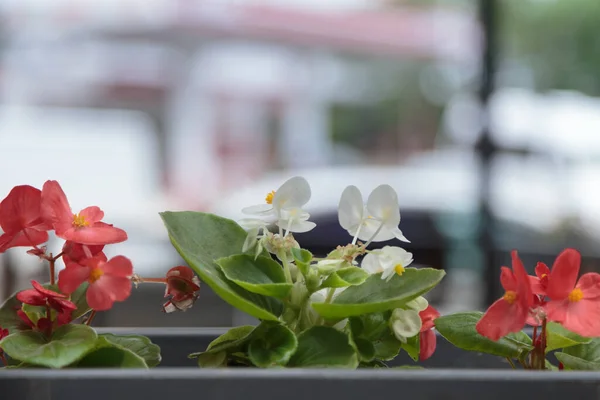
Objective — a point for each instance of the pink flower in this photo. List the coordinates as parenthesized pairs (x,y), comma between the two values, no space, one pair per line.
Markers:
(574,304)
(109,281)
(21,219)
(511,312)
(77,252)
(427,338)
(84,227)
(40,296)
(539,283)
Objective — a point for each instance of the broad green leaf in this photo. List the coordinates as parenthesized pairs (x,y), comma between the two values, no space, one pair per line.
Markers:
(350,276)
(202,238)
(79,298)
(67,345)
(303,259)
(108,354)
(140,345)
(559,338)
(261,275)
(375,325)
(582,356)
(575,363)
(212,360)
(459,329)
(387,347)
(322,346)
(412,347)
(365,349)
(271,345)
(8,314)
(376,295)
(231,341)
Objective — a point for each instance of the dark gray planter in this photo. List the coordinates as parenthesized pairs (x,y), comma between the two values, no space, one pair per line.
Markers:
(454,374)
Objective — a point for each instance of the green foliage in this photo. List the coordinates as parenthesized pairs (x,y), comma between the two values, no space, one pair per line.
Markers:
(322,346)
(139,345)
(108,354)
(349,276)
(581,357)
(557,337)
(271,345)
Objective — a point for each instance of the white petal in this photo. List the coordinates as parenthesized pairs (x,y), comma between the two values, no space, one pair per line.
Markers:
(250,241)
(351,209)
(296,226)
(369,227)
(418,304)
(399,235)
(294,213)
(251,223)
(405,323)
(259,209)
(383,205)
(388,274)
(295,192)
(370,263)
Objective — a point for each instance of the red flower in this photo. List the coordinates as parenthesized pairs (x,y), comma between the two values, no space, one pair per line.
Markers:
(182,286)
(3,334)
(21,220)
(77,252)
(109,281)
(539,283)
(85,227)
(427,337)
(509,313)
(40,296)
(574,304)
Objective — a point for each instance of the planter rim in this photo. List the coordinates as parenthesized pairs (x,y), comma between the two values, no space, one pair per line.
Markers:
(194,373)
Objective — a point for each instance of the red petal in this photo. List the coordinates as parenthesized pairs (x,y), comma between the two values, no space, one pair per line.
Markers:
(181,271)
(556,310)
(31,297)
(118,266)
(21,314)
(507,279)
(582,318)
(564,274)
(525,294)
(75,252)
(501,319)
(427,344)
(92,214)
(590,285)
(428,315)
(70,278)
(55,206)
(20,240)
(47,292)
(105,291)
(20,209)
(94,235)
(542,270)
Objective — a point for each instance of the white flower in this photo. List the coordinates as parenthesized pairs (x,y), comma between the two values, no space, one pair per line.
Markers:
(377,221)
(405,323)
(388,260)
(294,193)
(419,304)
(295,220)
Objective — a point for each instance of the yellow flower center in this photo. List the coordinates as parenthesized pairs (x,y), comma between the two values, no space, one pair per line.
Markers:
(95,275)
(269,198)
(543,276)
(399,269)
(510,296)
(575,295)
(79,221)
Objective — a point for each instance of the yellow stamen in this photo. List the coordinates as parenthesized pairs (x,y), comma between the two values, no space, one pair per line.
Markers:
(269,198)
(510,296)
(543,276)
(79,221)
(95,275)
(575,295)
(399,269)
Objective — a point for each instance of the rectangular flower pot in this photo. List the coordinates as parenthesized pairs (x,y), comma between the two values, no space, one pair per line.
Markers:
(454,374)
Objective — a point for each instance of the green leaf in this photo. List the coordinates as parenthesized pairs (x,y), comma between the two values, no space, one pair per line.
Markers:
(375,325)
(365,349)
(231,341)
(459,329)
(272,345)
(412,347)
(303,259)
(323,346)
(408,367)
(376,294)
(582,356)
(107,354)
(140,345)
(350,276)
(200,239)
(8,314)
(387,347)
(79,298)
(559,337)
(212,360)
(261,275)
(67,345)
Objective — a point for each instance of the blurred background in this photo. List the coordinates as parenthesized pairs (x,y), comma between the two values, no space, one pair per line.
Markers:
(484,116)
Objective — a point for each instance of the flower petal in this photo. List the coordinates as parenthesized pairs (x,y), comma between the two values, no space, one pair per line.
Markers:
(427,344)
(383,205)
(563,274)
(92,214)
(118,266)
(27,237)
(582,318)
(295,192)
(351,208)
(105,291)
(507,279)
(428,315)
(405,323)
(501,319)
(259,209)
(590,285)
(70,278)
(21,209)
(54,204)
(296,226)
(31,297)
(525,295)
(370,263)
(94,235)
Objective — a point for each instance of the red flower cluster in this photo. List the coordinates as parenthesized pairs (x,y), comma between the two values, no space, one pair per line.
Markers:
(553,295)
(182,288)
(427,337)
(26,216)
(40,296)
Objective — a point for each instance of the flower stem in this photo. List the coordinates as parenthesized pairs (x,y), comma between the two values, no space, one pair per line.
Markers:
(512,364)
(52,271)
(542,356)
(330,294)
(286,266)
(375,234)
(88,322)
